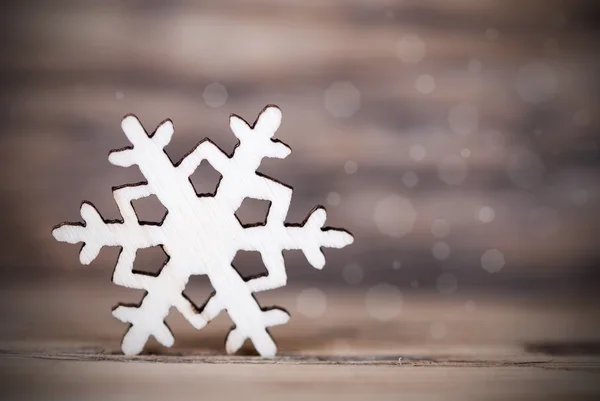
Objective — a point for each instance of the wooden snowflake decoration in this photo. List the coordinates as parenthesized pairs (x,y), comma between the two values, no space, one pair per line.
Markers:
(201,234)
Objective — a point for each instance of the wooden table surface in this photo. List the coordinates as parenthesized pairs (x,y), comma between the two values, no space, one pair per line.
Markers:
(59,341)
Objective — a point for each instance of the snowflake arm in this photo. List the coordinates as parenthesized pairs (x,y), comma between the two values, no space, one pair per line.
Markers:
(313,235)
(147,320)
(271,317)
(96,233)
(308,237)
(143,145)
(276,277)
(255,143)
(256,140)
(124,276)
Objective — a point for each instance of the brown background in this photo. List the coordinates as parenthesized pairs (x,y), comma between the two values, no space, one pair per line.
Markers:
(522,73)
(72,70)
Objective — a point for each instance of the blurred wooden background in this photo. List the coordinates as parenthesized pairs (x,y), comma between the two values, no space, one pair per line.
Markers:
(398,113)
(457,140)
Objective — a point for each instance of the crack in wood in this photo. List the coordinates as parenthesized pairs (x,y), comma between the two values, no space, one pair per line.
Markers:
(591,366)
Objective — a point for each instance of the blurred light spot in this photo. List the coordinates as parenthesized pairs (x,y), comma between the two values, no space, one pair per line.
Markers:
(350,167)
(410,179)
(440,228)
(342,99)
(440,250)
(215,95)
(492,34)
(410,49)
(417,152)
(492,261)
(470,306)
(486,214)
(551,46)
(394,216)
(311,302)
(465,153)
(438,330)
(119,95)
(525,169)
(333,198)
(414,284)
(543,222)
(581,118)
(353,274)
(446,283)
(474,66)
(396,265)
(579,197)
(538,131)
(452,170)
(463,118)
(383,301)
(536,82)
(425,84)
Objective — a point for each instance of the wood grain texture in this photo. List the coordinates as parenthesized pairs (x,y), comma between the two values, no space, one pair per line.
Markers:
(502,349)
(118,381)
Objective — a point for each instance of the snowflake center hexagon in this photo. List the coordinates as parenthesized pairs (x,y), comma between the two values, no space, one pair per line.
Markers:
(202,235)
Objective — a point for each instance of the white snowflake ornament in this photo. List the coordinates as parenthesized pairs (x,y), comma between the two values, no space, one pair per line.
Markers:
(201,234)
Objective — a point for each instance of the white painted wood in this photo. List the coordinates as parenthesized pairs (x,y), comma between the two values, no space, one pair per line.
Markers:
(201,235)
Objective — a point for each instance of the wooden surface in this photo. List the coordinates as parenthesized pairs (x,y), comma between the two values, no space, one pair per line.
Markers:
(115,380)
(60,342)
